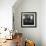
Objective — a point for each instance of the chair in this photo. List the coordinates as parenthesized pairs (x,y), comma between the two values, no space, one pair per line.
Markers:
(29,43)
(18,39)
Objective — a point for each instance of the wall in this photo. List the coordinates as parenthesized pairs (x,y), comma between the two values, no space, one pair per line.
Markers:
(6,13)
(28,6)
(43,22)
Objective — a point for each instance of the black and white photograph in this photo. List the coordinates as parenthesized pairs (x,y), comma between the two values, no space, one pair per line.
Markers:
(28,19)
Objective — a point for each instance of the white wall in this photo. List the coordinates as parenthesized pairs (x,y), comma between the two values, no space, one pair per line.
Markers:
(6,13)
(28,6)
(43,22)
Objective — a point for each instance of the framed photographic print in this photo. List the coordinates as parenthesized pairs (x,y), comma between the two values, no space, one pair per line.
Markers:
(28,19)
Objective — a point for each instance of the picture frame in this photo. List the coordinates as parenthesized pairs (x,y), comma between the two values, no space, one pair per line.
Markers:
(29,19)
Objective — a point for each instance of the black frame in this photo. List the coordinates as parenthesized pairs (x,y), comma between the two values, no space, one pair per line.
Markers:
(34,20)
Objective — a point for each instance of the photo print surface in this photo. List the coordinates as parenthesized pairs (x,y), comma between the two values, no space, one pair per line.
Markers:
(28,20)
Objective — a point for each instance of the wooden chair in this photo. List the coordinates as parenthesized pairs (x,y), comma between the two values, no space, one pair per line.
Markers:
(29,43)
(18,39)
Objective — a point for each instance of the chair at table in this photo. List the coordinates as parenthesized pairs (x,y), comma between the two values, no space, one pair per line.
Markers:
(18,39)
(29,43)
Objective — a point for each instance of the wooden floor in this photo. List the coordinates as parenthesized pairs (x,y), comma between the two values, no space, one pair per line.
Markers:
(9,43)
